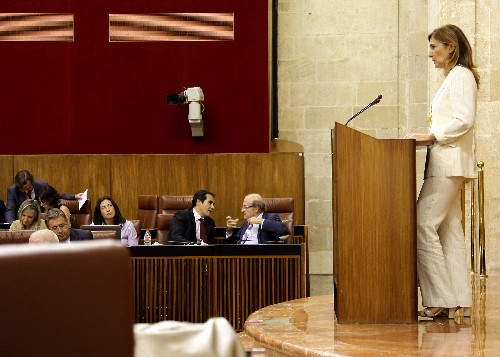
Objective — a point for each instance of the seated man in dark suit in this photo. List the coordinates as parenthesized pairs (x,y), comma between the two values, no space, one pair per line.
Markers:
(57,222)
(194,225)
(26,187)
(259,226)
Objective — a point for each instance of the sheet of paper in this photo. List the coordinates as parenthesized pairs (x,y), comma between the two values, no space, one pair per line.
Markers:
(82,200)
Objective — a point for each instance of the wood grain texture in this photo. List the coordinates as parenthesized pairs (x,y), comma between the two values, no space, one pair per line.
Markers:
(232,176)
(134,175)
(69,173)
(374,213)
(6,175)
(125,177)
(194,289)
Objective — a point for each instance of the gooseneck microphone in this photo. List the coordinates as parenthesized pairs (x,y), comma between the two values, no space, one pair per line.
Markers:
(373,102)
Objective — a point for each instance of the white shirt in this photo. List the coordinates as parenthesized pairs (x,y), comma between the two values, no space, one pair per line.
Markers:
(251,235)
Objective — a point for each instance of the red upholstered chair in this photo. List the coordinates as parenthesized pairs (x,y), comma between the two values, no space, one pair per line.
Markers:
(67,300)
(170,204)
(284,208)
(14,237)
(147,211)
(81,216)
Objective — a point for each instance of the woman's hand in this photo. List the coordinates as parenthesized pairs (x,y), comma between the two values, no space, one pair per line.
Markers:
(422,139)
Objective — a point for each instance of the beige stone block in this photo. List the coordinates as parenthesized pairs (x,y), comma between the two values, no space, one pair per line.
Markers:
(298,71)
(419,91)
(321,284)
(321,94)
(319,212)
(318,165)
(291,118)
(314,141)
(495,85)
(321,262)
(292,25)
(320,238)
(325,117)
(368,91)
(377,117)
(286,49)
(331,47)
(318,187)
(391,133)
(284,95)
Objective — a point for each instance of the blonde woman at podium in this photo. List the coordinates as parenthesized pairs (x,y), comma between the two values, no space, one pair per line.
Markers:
(441,251)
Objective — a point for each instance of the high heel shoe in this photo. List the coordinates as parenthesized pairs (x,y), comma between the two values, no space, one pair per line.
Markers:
(428,312)
(463,311)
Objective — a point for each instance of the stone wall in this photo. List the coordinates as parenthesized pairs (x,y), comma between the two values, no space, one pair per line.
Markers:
(335,57)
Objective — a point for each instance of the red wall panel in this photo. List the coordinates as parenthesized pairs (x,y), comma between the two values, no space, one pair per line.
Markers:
(92,96)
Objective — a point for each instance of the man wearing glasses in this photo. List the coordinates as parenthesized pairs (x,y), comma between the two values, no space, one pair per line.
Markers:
(259,227)
(57,222)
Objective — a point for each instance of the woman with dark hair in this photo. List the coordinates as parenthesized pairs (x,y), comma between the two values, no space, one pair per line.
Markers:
(29,217)
(107,212)
(50,198)
(441,250)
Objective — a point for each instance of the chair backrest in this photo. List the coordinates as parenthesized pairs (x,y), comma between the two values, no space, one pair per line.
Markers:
(168,206)
(147,211)
(14,237)
(283,207)
(67,300)
(80,216)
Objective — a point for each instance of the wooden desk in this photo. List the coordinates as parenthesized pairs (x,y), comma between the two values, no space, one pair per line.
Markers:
(194,283)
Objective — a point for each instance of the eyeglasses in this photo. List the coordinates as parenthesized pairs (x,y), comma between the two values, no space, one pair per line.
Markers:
(246,207)
(55,228)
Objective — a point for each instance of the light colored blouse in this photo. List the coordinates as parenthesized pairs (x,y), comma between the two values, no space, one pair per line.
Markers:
(18,226)
(129,234)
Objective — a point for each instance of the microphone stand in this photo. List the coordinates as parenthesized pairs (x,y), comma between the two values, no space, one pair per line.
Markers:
(375,101)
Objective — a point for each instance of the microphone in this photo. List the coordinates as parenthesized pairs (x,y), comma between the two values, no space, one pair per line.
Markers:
(372,103)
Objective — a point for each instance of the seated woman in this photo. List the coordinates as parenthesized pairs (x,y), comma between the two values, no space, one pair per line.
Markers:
(29,217)
(107,212)
(50,198)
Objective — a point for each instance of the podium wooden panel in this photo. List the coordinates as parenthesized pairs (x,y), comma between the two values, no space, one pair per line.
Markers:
(374,224)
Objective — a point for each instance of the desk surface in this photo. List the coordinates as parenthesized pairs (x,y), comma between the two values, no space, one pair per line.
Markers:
(215,250)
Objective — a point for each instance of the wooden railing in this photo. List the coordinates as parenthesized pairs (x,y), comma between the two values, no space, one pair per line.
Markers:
(194,283)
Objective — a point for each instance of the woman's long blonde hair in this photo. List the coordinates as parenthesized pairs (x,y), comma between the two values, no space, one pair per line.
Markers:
(31,205)
(453,35)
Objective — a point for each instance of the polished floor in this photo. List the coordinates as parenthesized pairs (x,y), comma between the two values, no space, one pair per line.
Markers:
(307,327)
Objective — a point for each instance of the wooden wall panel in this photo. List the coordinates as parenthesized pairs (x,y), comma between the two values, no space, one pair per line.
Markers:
(69,173)
(6,175)
(124,177)
(232,176)
(134,175)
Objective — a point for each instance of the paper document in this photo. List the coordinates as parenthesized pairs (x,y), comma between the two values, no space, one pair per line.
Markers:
(82,200)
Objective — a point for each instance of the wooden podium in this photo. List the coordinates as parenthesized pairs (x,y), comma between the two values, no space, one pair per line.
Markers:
(374,228)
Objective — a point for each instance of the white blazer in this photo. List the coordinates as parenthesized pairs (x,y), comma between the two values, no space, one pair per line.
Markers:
(453,115)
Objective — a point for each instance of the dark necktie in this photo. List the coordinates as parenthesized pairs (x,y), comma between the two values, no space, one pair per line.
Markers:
(203,230)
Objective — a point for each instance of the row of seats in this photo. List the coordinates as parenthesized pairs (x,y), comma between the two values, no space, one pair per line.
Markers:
(157,211)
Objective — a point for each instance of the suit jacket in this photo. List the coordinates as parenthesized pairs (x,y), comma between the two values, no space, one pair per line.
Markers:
(79,234)
(453,114)
(183,227)
(269,232)
(15,198)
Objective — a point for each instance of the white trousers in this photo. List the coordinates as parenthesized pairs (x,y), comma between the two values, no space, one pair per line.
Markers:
(441,252)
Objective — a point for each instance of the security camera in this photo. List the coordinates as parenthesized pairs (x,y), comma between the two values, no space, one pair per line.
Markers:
(194,97)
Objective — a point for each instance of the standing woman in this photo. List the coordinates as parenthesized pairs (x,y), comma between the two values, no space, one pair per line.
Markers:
(441,251)
(107,212)
(29,217)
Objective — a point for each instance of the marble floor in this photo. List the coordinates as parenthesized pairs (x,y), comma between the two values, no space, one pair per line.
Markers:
(307,327)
